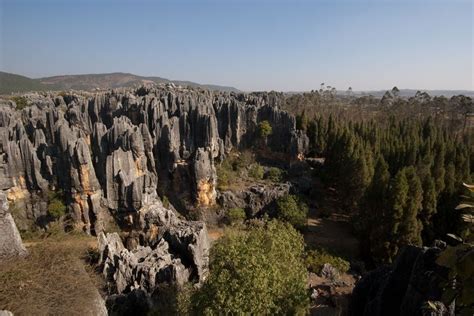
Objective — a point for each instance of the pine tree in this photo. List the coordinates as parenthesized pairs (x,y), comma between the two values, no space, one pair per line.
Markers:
(410,226)
(398,201)
(429,206)
(373,216)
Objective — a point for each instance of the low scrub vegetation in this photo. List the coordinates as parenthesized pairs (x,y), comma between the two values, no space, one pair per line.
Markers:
(21,102)
(315,260)
(256,171)
(231,168)
(292,210)
(236,215)
(241,167)
(56,206)
(274,174)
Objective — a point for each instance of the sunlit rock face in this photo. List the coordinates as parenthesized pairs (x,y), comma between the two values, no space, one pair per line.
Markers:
(112,152)
(10,241)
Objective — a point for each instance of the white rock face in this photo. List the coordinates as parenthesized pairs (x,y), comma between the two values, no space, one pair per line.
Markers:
(10,239)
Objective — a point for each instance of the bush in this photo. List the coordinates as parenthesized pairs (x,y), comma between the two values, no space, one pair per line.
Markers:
(21,102)
(274,174)
(170,299)
(165,201)
(264,129)
(244,159)
(257,271)
(256,171)
(56,206)
(292,210)
(236,215)
(232,167)
(315,260)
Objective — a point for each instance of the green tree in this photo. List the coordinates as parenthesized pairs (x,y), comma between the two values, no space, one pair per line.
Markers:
(372,215)
(256,171)
(292,210)
(56,206)
(398,200)
(264,129)
(21,102)
(429,206)
(236,215)
(257,271)
(410,225)
(302,121)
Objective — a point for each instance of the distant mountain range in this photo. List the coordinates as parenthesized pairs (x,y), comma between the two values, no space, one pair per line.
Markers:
(15,83)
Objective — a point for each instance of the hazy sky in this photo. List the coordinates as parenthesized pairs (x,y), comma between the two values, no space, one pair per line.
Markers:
(252,45)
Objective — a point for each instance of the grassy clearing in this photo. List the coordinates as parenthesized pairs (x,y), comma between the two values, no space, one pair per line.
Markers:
(54,279)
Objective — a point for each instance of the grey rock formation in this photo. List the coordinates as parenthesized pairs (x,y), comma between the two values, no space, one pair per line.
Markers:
(169,250)
(107,150)
(329,272)
(403,288)
(10,239)
(255,198)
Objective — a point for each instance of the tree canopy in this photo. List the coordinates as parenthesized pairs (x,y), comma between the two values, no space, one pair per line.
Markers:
(256,271)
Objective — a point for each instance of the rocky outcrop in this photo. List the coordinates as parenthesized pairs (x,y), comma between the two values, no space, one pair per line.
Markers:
(255,198)
(168,250)
(111,152)
(404,287)
(10,240)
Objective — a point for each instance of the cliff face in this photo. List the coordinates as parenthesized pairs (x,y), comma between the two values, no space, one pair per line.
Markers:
(111,152)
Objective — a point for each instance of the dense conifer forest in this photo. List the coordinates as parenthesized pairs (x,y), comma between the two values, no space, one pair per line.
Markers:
(398,164)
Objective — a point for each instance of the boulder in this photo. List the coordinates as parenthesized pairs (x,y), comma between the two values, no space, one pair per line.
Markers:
(10,239)
(254,199)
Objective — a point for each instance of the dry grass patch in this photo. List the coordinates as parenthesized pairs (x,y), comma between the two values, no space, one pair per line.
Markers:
(52,279)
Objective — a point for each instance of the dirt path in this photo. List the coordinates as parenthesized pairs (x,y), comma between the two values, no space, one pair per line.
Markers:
(330,228)
(333,233)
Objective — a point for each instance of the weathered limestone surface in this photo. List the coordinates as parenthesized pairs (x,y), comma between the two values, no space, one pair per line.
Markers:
(107,150)
(112,152)
(172,251)
(10,240)
(254,199)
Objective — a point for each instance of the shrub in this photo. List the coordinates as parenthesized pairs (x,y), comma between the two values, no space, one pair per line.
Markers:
(21,102)
(166,201)
(256,171)
(172,299)
(224,175)
(236,215)
(315,260)
(264,129)
(274,174)
(257,271)
(56,206)
(244,159)
(292,210)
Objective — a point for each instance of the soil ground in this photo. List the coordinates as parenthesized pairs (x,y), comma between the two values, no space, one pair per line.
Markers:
(329,227)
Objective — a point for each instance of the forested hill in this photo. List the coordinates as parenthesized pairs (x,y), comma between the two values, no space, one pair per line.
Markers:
(397,164)
(15,83)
